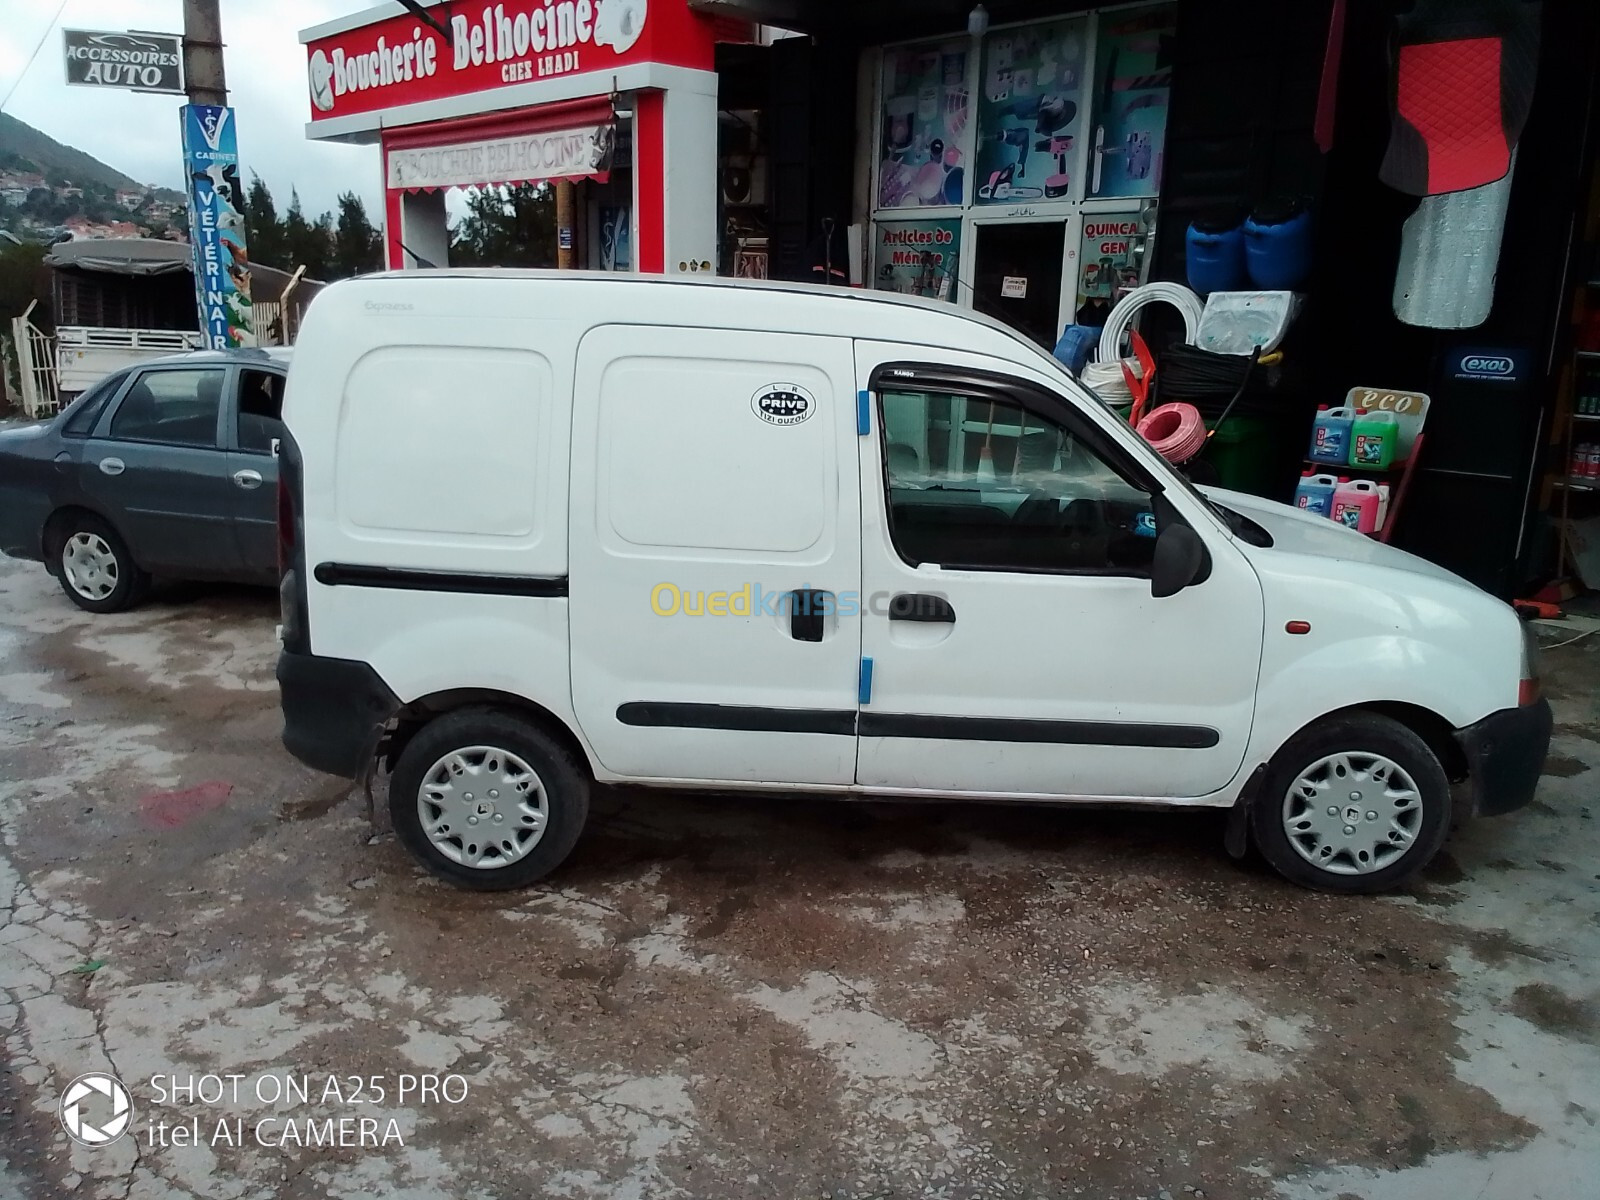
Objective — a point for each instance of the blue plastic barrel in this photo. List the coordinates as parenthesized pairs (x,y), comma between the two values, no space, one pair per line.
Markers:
(1215,253)
(1277,239)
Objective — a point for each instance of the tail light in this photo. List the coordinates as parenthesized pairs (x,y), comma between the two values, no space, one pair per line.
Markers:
(1528,686)
(285,526)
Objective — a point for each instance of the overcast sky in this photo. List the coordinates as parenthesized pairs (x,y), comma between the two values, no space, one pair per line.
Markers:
(138,134)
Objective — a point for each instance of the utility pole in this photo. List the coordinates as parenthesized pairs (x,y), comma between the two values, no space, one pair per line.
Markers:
(566,220)
(202,53)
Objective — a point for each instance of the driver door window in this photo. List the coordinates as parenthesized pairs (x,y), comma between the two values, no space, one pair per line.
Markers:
(986,485)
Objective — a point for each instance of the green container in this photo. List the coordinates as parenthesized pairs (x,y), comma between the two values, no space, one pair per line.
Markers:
(1373,440)
(1243,454)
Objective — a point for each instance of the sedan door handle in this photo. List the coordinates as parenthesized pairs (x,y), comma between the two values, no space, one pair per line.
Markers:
(912,606)
(247,479)
(112,466)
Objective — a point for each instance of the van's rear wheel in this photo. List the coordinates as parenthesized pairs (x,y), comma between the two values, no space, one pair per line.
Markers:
(1356,803)
(488,800)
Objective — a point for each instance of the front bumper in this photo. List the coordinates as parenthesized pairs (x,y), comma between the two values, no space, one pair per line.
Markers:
(1505,754)
(334,712)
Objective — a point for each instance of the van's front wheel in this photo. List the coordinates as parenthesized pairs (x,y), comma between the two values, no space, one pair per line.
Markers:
(488,800)
(1355,803)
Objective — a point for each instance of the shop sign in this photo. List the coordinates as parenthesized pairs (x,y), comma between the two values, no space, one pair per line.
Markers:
(1133,79)
(557,154)
(400,60)
(216,226)
(1030,113)
(1111,259)
(918,258)
(142,62)
(1014,287)
(1480,365)
(923,123)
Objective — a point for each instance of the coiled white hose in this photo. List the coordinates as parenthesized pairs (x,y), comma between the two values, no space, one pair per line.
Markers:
(1189,305)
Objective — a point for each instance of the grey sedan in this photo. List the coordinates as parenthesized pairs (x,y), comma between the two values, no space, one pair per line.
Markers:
(165,468)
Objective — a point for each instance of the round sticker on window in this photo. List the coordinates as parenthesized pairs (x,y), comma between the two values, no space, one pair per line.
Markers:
(783,404)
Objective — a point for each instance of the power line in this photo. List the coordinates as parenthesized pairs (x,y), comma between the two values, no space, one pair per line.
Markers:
(28,65)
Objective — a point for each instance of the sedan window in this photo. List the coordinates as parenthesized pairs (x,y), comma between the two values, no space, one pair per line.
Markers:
(82,417)
(260,410)
(173,407)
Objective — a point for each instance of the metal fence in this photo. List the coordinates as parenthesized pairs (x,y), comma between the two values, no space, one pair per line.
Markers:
(36,366)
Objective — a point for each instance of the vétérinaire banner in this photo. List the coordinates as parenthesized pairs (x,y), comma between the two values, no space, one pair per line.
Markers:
(216,226)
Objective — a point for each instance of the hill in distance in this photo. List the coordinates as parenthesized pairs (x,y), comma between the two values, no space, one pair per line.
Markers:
(52,158)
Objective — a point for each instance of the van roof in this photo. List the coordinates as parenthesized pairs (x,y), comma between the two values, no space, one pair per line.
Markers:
(841,295)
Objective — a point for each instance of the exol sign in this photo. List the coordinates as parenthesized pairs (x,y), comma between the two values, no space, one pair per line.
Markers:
(144,62)
(499,44)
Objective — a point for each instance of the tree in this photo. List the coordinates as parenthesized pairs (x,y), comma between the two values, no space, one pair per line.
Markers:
(262,228)
(507,226)
(357,246)
(305,242)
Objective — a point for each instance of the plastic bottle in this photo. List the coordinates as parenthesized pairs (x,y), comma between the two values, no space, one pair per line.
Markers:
(1375,436)
(1355,504)
(1330,435)
(1315,493)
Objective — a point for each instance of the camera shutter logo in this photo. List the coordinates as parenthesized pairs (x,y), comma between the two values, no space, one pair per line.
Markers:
(96,1109)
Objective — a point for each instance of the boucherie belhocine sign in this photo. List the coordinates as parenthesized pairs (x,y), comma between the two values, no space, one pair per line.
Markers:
(400,60)
(557,154)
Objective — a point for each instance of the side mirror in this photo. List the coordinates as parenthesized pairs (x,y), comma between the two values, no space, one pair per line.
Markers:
(1181,561)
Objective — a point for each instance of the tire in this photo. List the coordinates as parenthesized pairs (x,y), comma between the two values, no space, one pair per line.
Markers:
(95,568)
(1399,812)
(489,747)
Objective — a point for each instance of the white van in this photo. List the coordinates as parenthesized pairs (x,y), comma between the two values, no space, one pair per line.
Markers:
(544,530)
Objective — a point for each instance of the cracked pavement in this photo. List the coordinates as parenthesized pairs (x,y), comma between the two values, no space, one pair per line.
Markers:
(728,998)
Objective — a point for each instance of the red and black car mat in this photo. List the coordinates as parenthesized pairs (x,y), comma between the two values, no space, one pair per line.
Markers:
(1462,86)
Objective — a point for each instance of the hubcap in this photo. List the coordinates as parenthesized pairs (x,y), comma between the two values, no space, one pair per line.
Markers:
(89,565)
(1352,813)
(482,807)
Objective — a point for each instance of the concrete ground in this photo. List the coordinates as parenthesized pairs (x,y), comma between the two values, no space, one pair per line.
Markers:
(728,998)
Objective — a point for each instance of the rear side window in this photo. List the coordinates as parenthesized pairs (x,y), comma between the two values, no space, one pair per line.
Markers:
(85,415)
(176,408)
(260,410)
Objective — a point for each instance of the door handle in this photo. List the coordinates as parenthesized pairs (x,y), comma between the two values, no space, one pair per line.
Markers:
(247,479)
(807,607)
(112,466)
(913,606)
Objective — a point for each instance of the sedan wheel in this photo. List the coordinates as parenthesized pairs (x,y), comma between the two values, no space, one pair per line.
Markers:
(89,566)
(95,569)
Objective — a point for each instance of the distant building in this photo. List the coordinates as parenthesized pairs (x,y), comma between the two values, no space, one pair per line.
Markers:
(130,198)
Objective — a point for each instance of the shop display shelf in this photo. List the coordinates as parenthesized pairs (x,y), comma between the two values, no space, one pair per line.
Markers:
(1587,353)
(1573,485)
(1586,416)
(1394,468)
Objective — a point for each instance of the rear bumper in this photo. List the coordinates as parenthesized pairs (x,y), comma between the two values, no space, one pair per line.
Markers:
(1505,754)
(334,712)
